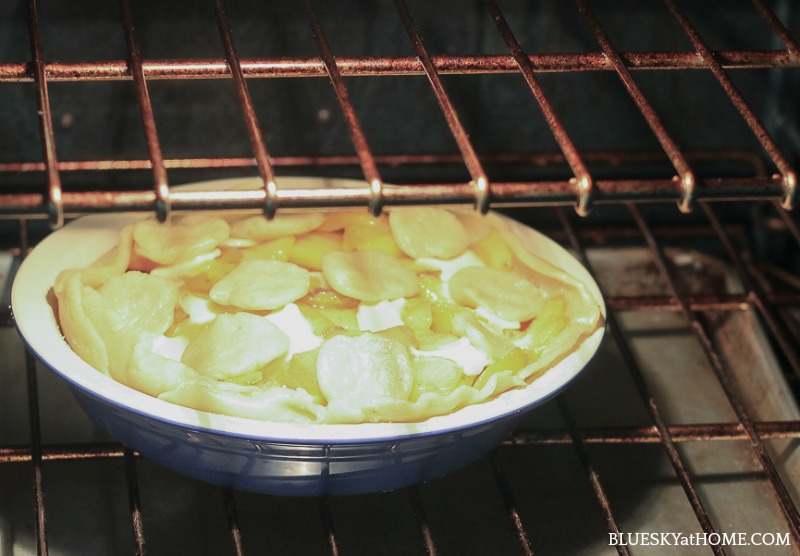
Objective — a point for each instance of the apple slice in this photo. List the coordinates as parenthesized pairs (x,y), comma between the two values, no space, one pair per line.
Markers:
(180,241)
(235,344)
(261,285)
(259,228)
(509,296)
(369,275)
(359,371)
(428,232)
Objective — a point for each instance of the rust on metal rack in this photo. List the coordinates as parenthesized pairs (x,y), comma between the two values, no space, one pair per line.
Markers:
(611,158)
(583,179)
(511,506)
(649,435)
(790,224)
(161,200)
(699,302)
(40,525)
(36,454)
(363,151)
(504,194)
(64,452)
(749,276)
(783,497)
(137,522)
(780,29)
(233,520)
(765,139)
(614,435)
(482,190)
(594,478)
(55,210)
(686,177)
(327,525)
(417,508)
(216,68)
(257,143)
(664,436)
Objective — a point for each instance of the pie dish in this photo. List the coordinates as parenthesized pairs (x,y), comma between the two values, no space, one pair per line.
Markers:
(275,457)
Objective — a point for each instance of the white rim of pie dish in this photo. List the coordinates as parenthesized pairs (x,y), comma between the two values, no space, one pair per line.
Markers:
(84,240)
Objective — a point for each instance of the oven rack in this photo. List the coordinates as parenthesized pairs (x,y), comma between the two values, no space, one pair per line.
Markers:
(761,294)
(758,296)
(583,189)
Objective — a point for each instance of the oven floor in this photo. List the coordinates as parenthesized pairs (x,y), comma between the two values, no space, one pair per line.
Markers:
(87,509)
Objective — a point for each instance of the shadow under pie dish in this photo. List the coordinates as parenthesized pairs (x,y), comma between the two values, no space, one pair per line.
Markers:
(410,420)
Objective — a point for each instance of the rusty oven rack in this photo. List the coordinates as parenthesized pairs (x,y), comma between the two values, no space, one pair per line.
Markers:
(582,190)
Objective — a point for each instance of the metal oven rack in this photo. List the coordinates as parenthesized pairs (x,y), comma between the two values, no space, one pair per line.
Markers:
(767,291)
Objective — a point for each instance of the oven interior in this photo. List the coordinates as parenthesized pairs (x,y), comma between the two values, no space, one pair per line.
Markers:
(657,140)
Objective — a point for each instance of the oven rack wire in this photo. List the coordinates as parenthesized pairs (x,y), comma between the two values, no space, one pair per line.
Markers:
(581,191)
(770,306)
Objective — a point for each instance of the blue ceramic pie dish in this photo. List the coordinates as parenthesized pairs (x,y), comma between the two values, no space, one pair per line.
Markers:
(276,458)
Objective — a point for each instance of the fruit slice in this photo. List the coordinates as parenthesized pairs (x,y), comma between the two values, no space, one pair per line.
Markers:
(343,318)
(260,228)
(362,237)
(476,224)
(335,221)
(78,328)
(326,298)
(509,296)
(541,332)
(513,361)
(235,344)
(126,307)
(416,314)
(428,232)
(275,250)
(113,263)
(152,373)
(369,276)
(247,379)
(181,240)
(443,311)
(298,372)
(466,324)
(308,250)
(261,285)
(494,252)
(402,334)
(358,371)
(437,375)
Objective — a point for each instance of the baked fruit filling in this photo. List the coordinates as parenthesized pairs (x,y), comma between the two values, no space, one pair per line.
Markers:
(334,317)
